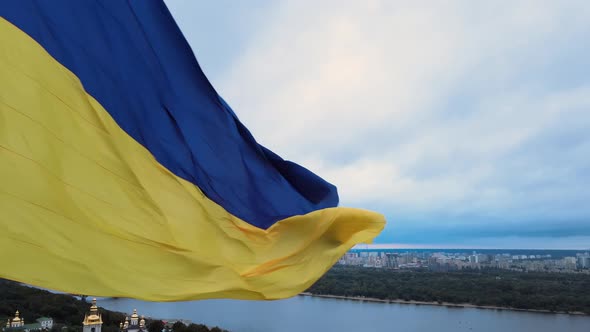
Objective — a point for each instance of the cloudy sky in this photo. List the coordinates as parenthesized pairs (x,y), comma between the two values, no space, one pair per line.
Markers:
(467,123)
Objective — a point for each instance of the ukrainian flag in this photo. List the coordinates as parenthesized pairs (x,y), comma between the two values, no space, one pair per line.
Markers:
(123,173)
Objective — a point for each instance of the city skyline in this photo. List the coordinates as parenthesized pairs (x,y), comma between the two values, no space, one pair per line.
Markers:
(441,261)
(465,124)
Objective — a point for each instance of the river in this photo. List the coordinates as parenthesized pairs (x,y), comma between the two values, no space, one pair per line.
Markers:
(310,314)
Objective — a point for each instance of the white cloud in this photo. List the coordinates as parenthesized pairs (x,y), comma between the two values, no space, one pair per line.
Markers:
(435,106)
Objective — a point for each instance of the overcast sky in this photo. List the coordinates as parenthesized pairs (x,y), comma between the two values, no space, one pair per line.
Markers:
(466,123)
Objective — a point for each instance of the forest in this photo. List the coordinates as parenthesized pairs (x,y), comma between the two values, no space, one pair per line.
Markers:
(68,311)
(556,292)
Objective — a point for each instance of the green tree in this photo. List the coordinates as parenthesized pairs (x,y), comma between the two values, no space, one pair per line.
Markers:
(197,328)
(532,290)
(179,327)
(156,326)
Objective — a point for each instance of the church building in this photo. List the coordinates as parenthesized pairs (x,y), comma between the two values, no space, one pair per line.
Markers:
(92,320)
(134,324)
(17,324)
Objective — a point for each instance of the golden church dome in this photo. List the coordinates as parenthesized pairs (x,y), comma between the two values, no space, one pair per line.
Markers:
(94,317)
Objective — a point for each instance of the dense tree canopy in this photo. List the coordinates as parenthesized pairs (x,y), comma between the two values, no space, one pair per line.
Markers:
(66,310)
(156,326)
(544,291)
(180,327)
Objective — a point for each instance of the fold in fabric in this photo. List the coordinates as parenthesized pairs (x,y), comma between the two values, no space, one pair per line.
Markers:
(113,185)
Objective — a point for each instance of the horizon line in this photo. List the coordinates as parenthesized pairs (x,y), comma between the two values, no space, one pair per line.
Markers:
(430,246)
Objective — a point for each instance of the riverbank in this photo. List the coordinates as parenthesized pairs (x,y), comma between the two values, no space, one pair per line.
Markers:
(440,304)
(306,313)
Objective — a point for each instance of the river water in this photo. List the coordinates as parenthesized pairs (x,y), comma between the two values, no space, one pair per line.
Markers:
(310,314)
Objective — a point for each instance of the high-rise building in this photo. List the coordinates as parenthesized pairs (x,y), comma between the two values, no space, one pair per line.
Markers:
(583,261)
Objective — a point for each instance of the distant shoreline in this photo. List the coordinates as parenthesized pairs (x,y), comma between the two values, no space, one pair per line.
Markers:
(439,304)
